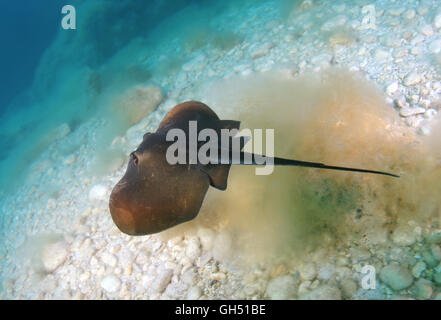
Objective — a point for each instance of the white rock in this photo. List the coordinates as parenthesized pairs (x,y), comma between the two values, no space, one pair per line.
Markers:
(218,276)
(348,288)
(436,251)
(189,277)
(162,281)
(98,192)
(416,50)
(412,79)
(325,272)
(424,130)
(397,277)
(427,30)
(381,54)
(324,292)
(422,10)
(142,259)
(261,50)
(408,112)
(54,254)
(437,277)
(435,237)
(206,237)
(392,41)
(410,14)
(334,22)
(418,38)
(69,160)
(281,288)
(193,249)
(403,236)
(422,289)
(125,258)
(109,259)
(392,88)
(402,102)
(435,46)
(222,248)
(437,21)
(308,271)
(110,283)
(194,293)
(395,12)
(418,268)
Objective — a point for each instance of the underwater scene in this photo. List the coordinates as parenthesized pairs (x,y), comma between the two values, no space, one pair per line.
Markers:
(339,100)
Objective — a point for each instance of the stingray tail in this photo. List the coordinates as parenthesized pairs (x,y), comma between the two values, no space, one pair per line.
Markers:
(290,162)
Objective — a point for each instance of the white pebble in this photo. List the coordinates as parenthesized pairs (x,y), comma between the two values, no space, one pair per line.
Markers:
(395,12)
(325,292)
(427,30)
(422,289)
(392,88)
(435,46)
(412,79)
(334,22)
(437,21)
(261,50)
(402,102)
(110,283)
(408,112)
(54,255)
(418,269)
(193,250)
(410,14)
(109,259)
(397,277)
(436,251)
(98,192)
(194,293)
(281,288)
(403,236)
(381,54)
(206,237)
(71,159)
(308,271)
(162,280)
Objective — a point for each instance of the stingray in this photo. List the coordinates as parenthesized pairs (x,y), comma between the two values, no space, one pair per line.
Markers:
(154,195)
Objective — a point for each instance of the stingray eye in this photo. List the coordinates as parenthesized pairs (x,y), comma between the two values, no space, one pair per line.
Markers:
(134,158)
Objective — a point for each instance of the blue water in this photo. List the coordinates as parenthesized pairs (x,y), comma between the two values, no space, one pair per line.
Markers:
(51,76)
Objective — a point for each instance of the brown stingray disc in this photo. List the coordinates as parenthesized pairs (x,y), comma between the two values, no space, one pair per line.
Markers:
(154,195)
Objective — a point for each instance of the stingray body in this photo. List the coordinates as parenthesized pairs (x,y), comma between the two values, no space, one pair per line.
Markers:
(154,195)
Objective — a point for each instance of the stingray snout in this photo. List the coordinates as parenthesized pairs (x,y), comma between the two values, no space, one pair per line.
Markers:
(120,210)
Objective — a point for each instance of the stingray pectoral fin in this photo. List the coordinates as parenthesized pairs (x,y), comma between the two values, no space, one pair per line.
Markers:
(146,135)
(218,175)
(229,124)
